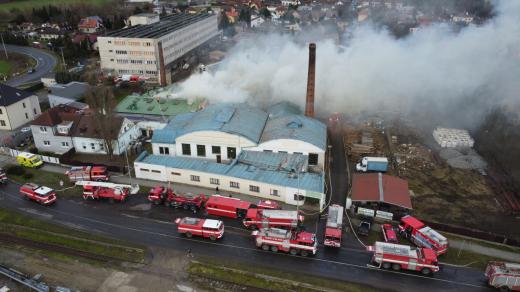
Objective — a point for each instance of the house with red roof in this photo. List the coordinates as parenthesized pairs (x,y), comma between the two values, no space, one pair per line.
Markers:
(91,24)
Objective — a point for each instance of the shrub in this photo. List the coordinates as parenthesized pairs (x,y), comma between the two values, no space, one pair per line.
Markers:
(14,170)
(33,150)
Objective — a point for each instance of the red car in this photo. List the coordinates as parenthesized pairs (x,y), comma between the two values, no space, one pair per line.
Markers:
(389,233)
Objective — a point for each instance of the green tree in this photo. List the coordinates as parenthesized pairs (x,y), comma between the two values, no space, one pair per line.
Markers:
(265,13)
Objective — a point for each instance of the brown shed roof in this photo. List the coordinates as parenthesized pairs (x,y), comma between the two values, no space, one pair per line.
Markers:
(377,187)
(56,115)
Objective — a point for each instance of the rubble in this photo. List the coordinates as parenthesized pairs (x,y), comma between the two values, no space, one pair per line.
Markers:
(469,160)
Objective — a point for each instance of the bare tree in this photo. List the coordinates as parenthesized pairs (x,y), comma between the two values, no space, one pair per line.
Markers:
(101,100)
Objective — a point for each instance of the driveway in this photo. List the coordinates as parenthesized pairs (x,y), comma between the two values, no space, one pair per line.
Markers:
(45,63)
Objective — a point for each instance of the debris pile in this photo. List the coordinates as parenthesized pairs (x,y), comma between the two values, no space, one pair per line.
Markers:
(468,160)
(413,157)
(453,138)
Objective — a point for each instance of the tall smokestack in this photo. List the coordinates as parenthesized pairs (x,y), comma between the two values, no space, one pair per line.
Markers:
(309,104)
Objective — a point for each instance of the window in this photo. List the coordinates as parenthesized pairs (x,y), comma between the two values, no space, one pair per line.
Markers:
(2,123)
(214,181)
(64,144)
(201,150)
(101,146)
(43,129)
(231,152)
(215,149)
(255,189)
(234,185)
(297,153)
(265,150)
(298,197)
(26,116)
(1,112)
(35,112)
(194,178)
(164,150)
(176,173)
(156,171)
(186,149)
(313,159)
(92,146)
(282,152)
(47,143)
(145,170)
(23,104)
(84,146)
(274,193)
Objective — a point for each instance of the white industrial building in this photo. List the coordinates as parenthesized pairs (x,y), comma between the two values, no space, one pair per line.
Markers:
(143,19)
(155,49)
(275,154)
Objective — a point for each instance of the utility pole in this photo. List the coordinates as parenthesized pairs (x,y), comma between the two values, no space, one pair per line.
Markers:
(63,59)
(3,44)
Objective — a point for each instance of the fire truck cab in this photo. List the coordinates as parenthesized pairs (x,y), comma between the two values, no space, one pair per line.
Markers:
(227,207)
(422,235)
(505,276)
(289,241)
(389,255)
(162,195)
(261,218)
(389,233)
(207,228)
(334,227)
(40,194)
(88,173)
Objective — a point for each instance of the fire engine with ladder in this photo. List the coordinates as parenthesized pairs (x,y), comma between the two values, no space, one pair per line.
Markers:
(422,235)
(396,256)
(334,227)
(289,241)
(95,190)
(162,195)
(260,218)
(505,276)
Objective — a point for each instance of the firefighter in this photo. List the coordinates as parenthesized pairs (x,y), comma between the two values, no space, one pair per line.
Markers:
(189,254)
(216,191)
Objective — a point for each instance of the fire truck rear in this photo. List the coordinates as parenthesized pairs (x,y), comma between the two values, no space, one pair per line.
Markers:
(3,176)
(422,235)
(227,207)
(162,195)
(290,241)
(86,173)
(334,227)
(261,218)
(207,228)
(505,276)
(396,256)
(40,194)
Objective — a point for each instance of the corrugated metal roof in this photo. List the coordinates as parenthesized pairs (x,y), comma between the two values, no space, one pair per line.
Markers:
(377,187)
(296,127)
(251,171)
(283,108)
(238,119)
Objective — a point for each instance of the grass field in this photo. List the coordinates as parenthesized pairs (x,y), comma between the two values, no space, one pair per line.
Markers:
(5,67)
(21,226)
(16,64)
(30,4)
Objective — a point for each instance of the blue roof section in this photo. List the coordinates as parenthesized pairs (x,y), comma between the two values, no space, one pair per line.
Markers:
(274,161)
(238,119)
(296,127)
(250,171)
(282,109)
(163,136)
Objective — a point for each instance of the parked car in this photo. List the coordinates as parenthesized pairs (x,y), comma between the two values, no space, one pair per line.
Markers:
(389,233)
(364,228)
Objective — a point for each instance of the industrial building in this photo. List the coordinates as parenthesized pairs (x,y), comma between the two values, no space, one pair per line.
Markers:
(155,49)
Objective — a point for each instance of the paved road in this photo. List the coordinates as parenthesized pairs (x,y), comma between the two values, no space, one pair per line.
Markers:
(136,221)
(45,63)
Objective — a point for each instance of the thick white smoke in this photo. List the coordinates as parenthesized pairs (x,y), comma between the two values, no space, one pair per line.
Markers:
(454,75)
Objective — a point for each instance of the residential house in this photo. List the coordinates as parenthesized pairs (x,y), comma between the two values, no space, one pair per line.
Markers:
(66,93)
(17,107)
(64,127)
(91,24)
(50,33)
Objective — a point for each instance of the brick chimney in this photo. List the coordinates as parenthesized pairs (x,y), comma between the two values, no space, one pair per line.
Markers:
(309,104)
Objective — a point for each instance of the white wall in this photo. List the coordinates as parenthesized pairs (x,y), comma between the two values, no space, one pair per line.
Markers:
(292,146)
(209,139)
(16,115)
(156,151)
(164,174)
(97,146)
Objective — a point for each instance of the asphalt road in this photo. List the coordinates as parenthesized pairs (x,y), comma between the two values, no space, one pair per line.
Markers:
(134,221)
(45,63)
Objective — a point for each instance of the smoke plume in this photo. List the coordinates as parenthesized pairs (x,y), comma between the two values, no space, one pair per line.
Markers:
(436,72)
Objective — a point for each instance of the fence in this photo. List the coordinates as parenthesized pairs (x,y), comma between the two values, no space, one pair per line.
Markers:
(14,153)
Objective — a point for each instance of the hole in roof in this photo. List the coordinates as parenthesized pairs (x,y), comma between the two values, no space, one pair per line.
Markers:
(294,124)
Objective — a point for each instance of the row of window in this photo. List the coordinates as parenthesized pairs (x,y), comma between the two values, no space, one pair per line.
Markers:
(63,144)
(201,151)
(121,52)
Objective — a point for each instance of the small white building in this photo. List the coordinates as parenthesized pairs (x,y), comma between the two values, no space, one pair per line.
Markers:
(17,107)
(143,19)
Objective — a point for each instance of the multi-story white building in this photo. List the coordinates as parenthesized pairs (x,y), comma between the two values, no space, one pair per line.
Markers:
(154,50)
(17,107)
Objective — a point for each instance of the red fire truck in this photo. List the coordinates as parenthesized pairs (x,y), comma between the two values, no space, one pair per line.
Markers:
(290,241)
(422,235)
(162,195)
(207,228)
(334,227)
(82,173)
(3,176)
(93,190)
(505,276)
(269,204)
(396,256)
(40,194)
(227,207)
(261,218)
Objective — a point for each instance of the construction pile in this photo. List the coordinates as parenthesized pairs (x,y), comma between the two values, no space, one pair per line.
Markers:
(359,143)
(468,160)
(412,157)
(453,138)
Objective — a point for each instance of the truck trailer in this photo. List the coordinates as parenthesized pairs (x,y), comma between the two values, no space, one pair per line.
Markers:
(396,256)
(372,164)
(288,241)
(504,276)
